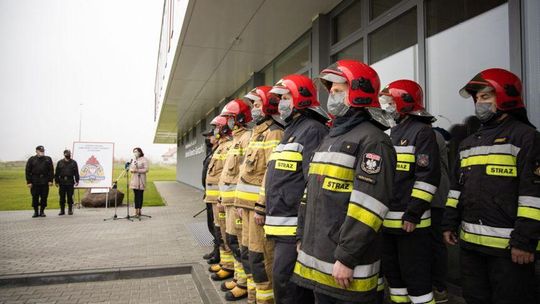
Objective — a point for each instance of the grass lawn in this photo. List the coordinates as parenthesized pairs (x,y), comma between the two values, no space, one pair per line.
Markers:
(14,195)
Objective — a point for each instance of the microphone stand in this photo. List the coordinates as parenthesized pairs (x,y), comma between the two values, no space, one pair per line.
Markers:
(115,186)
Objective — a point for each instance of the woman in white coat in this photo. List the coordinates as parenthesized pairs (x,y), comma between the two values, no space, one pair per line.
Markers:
(138,168)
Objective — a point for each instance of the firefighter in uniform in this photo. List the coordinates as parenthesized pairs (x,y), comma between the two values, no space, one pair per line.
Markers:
(223,135)
(238,114)
(266,135)
(495,195)
(211,145)
(39,177)
(348,189)
(407,245)
(66,177)
(285,180)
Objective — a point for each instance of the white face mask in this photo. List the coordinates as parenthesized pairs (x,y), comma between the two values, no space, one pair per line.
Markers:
(484,111)
(389,106)
(230,123)
(136,154)
(336,104)
(256,114)
(285,110)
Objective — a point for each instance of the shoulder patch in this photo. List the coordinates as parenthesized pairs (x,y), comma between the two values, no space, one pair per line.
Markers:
(371,163)
(366,179)
(422,160)
(501,140)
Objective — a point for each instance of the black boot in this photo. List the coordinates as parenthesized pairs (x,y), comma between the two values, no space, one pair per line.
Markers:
(35,212)
(70,209)
(62,210)
(42,212)
(215,256)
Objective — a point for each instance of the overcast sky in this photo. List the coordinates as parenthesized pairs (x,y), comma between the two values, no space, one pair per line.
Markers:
(58,54)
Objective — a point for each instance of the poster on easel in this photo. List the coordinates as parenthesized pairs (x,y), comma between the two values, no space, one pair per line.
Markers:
(95,161)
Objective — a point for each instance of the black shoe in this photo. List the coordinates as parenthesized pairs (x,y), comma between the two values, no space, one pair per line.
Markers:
(42,213)
(208,256)
(213,260)
(35,214)
(70,210)
(62,211)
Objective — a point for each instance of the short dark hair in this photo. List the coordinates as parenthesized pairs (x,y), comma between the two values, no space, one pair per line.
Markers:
(139,150)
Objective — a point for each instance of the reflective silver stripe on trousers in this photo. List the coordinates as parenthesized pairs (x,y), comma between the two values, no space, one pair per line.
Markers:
(529,201)
(486,230)
(422,299)
(248,188)
(336,158)
(405,149)
(281,221)
(425,186)
(360,271)
(226,188)
(454,194)
(369,202)
(495,149)
(398,291)
(398,215)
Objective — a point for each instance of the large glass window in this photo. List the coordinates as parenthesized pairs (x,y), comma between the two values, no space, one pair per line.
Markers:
(393,37)
(378,7)
(294,59)
(353,51)
(443,14)
(347,21)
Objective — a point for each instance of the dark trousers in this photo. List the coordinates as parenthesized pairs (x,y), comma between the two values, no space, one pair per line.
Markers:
(138,198)
(210,222)
(439,265)
(65,191)
(490,279)
(324,299)
(39,195)
(285,291)
(406,261)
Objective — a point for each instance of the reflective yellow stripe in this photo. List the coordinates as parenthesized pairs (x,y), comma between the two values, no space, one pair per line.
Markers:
(484,240)
(365,216)
(248,196)
(265,294)
(403,166)
(332,171)
(263,144)
(286,155)
(492,159)
(529,212)
(423,195)
(405,157)
(262,191)
(227,194)
(451,202)
(280,230)
(217,156)
(366,284)
(212,192)
(239,151)
(388,223)
(399,299)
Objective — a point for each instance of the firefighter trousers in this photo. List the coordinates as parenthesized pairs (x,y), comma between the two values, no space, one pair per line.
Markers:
(285,291)
(406,264)
(225,254)
(260,257)
(233,230)
(495,280)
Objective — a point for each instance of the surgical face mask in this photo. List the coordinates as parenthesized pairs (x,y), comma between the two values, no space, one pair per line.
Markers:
(67,155)
(40,154)
(483,111)
(388,105)
(285,110)
(136,154)
(230,123)
(336,104)
(257,114)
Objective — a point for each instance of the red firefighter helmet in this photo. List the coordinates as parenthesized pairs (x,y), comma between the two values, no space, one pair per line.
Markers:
(301,89)
(269,100)
(507,87)
(220,122)
(363,81)
(408,97)
(239,110)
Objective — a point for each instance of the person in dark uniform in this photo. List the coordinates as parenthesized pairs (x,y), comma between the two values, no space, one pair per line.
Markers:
(211,145)
(39,177)
(494,198)
(66,177)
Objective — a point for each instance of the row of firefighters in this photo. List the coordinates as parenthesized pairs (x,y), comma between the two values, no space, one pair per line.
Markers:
(326,207)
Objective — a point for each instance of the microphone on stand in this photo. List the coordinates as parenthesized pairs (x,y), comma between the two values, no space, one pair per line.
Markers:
(126,166)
